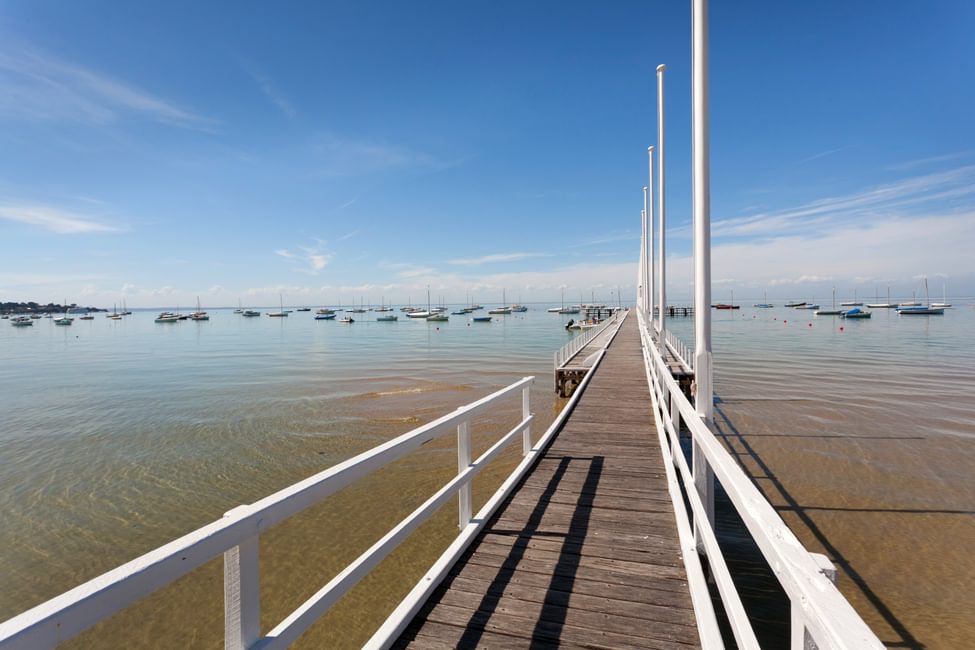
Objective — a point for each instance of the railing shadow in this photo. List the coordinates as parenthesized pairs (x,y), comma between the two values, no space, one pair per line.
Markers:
(761,594)
(551,618)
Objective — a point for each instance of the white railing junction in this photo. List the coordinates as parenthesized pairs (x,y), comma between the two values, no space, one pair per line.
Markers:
(564,354)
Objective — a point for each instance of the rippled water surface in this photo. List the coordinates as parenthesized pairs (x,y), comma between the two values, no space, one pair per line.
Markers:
(118,436)
(862,433)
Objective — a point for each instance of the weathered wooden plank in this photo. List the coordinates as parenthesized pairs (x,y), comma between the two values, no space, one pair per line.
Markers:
(509,623)
(609,614)
(585,552)
(660,592)
(654,554)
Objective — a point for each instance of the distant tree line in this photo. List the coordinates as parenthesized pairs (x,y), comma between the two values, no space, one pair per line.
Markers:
(37,308)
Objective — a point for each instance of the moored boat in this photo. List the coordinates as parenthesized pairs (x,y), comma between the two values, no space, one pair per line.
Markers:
(856,312)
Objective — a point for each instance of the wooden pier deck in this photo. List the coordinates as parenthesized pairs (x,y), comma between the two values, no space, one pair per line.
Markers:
(585,552)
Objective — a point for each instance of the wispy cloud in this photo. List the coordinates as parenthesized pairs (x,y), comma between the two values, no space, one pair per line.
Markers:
(53,219)
(611,238)
(310,260)
(348,203)
(338,156)
(921,162)
(821,154)
(36,85)
(908,195)
(497,257)
(270,91)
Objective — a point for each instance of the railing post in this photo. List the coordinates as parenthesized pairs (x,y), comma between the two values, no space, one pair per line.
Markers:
(241,595)
(800,639)
(675,414)
(526,411)
(463,462)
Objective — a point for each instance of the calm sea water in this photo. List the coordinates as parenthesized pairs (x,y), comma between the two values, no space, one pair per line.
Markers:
(118,436)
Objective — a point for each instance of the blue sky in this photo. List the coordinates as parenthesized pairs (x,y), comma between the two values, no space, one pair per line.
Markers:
(340,150)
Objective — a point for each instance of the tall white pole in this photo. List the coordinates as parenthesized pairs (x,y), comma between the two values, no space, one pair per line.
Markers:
(645,259)
(642,272)
(702,213)
(661,198)
(650,246)
(704,399)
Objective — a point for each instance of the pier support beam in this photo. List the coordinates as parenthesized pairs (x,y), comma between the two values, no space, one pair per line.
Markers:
(704,396)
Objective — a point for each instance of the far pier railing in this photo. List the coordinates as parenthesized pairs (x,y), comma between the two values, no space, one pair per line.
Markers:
(564,354)
(236,535)
(821,616)
(679,350)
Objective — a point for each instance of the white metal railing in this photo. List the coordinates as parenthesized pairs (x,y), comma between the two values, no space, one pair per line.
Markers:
(236,537)
(821,616)
(570,349)
(679,350)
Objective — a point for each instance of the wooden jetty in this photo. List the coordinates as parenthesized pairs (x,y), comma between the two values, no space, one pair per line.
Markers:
(585,552)
(575,359)
(674,310)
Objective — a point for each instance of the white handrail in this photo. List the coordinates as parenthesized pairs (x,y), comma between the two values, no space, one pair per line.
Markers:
(679,350)
(235,536)
(817,605)
(570,349)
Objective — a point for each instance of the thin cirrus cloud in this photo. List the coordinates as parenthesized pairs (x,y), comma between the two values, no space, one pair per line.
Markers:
(307,260)
(36,85)
(54,219)
(907,196)
(335,156)
(497,257)
(270,91)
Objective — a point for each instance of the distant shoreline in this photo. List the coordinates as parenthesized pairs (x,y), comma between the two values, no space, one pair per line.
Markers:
(35,308)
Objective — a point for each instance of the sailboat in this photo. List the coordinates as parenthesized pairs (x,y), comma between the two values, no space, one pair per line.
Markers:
(722,305)
(279,314)
(240,308)
(504,308)
(830,312)
(944,297)
(416,312)
(922,310)
(852,303)
(199,314)
(567,310)
(385,318)
(64,320)
(765,303)
(883,305)
(518,307)
(434,316)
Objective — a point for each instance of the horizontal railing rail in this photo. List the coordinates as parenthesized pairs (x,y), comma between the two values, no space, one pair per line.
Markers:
(565,354)
(235,536)
(821,616)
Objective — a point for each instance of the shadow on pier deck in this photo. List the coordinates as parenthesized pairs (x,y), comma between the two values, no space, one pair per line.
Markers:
(585,552)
